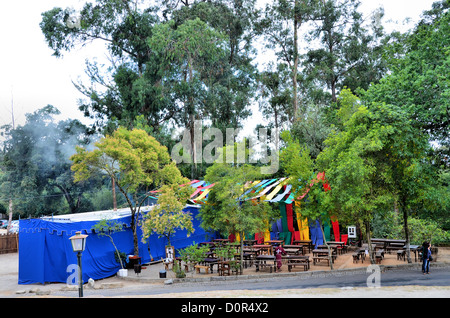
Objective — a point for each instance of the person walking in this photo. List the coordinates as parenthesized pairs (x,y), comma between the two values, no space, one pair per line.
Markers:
(279,250)
(426,254)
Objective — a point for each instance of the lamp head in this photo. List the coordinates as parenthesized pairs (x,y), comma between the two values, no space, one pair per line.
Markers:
(78,242)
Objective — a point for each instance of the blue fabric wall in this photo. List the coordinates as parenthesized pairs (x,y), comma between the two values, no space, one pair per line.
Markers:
(45,251)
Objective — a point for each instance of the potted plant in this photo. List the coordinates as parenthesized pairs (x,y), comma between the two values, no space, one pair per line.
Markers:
(179,272)
(193,254)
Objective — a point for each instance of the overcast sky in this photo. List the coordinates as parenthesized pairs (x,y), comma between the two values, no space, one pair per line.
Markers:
(31,78)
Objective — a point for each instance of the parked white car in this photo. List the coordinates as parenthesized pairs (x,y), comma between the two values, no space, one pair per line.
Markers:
(14,228)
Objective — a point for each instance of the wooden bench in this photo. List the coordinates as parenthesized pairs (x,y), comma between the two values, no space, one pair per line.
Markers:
(205,267)
(224,268)
(400,255)
(316,259)
(263,261)
(293,263)
(378,257)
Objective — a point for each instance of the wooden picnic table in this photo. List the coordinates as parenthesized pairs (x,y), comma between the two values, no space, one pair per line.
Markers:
(341,245)
(264,249)
(387,242)
(294,260)
(265,261)
(324,247)
(248,258)
(321,254)
(307,243)
(294,249)
(274,242)
(221,240)
(415,249)
(210,244)
(250,242)
(211,261)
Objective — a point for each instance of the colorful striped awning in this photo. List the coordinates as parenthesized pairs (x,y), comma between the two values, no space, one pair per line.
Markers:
(270,190)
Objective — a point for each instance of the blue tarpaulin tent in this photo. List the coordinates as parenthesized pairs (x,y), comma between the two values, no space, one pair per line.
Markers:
(45,251)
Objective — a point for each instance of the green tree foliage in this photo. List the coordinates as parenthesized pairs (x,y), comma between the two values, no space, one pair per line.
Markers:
(168,216)
(212,77)
(231,92)
(119,93)
(349,53)
(307,182)
(279,25)
(378,158)
(193,60)
(107,227)
(276,96)
(418,81)
(135,161)
(36,166)
(228,210)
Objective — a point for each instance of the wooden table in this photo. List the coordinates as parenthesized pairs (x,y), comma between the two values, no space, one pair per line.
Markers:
(339,244)
(210,244)
(294,249)
(264,249)
(415,249)
(274,242)
(211,261)
(221,241)
(248,258)
(388,243)
(295,260)
(266,261)
(321,254)
(224,268)
(307,243)
(250,242)
(332,248)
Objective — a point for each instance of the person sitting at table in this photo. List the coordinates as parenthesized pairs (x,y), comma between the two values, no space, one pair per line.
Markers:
(279,250)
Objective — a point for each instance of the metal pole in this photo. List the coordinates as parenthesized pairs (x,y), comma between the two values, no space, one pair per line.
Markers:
(80,275)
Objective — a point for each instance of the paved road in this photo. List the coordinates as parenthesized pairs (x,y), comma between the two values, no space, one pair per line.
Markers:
(392,283)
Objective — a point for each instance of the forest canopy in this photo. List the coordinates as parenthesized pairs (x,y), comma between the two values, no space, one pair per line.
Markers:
(340,84)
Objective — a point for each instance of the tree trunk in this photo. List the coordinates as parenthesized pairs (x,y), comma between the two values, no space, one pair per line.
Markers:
(134,229)
(367,226)
(117,251)
(405,227)
(241,241)
(294,71)
(114,194)
(10,215)
(330,257)
(134,216)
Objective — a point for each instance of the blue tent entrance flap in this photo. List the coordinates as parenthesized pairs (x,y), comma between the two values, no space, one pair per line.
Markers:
(46,255)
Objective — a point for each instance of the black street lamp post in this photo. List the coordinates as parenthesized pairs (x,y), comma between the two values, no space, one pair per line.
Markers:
(78,245)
